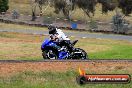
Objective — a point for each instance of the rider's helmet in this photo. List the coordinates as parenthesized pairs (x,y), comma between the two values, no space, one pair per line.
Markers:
(52,29)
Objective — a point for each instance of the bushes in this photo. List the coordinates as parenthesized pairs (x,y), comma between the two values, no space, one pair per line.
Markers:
(126,6)
(3,6)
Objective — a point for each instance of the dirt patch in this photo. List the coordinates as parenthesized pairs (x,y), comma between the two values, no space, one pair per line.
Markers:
(19,50)
(19,37)
(7,69)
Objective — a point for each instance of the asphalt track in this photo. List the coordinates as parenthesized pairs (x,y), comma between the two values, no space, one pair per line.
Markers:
(74,34)
(37,61)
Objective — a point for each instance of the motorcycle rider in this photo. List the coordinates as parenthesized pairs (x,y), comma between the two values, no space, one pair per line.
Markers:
(61,39)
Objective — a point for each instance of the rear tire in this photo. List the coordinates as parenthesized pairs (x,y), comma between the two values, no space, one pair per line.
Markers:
(82,56)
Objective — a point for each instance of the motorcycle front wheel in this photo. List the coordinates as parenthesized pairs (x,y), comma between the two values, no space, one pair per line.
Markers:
(49,54)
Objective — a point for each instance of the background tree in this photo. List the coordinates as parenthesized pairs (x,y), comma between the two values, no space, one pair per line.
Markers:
(4,5)
(88,6)
(107,5)
(62,6)
(41,3)
(33,9)
(126,6)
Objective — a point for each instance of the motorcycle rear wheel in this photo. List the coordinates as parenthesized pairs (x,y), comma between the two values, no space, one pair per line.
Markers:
(81,56)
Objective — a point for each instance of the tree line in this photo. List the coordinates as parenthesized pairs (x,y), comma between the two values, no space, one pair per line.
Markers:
(66,6)
(88,6)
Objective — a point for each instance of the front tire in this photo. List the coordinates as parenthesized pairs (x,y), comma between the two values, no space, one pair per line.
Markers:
(49,54)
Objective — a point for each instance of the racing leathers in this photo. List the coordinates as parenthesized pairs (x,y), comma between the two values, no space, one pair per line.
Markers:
(62,39)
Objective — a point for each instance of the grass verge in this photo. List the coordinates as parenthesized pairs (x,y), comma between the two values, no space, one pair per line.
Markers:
(27,47)
(25,27)
(51,80)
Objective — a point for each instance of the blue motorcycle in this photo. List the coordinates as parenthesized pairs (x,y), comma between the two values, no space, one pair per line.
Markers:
(50,50)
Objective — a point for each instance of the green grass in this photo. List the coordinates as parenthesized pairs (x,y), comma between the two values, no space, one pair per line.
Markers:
(51,80)
(20,27)
(16,46)
(117,52)
(26,27)
(106,49)
(5,36)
